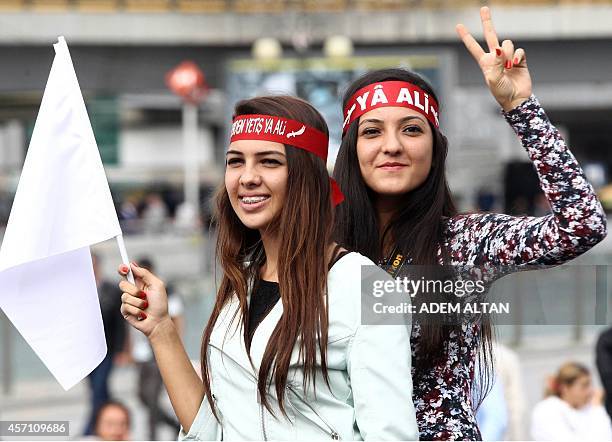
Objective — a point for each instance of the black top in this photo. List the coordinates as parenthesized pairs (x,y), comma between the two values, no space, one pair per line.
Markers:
(264,297)
(266,294)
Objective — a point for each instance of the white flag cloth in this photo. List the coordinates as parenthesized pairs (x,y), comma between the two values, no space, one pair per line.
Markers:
(62,206)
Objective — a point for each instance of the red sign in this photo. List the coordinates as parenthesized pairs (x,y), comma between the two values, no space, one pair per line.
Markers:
(187,81)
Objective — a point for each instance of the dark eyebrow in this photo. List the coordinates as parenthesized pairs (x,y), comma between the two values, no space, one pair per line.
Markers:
(259,154)
(269,152)
(370,120)
(411,117)
(402,121)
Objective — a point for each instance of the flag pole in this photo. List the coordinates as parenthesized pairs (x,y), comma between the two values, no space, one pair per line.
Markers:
(124,257)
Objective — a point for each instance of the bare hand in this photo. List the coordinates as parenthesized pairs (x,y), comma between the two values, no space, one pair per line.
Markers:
(144,305)
(504,69)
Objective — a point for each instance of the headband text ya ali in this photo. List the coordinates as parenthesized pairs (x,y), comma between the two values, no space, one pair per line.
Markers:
(285,131)
(390,93)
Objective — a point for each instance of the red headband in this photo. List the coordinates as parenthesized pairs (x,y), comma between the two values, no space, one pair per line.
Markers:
(390,93)
(284,131)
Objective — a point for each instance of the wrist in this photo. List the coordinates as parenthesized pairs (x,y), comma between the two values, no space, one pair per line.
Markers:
(162,331)
(513,104)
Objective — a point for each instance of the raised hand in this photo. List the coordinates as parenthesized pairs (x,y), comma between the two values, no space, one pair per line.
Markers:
(144,305)
(504,68)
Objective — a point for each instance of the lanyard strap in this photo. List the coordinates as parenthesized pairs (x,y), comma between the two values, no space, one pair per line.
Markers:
(395,262)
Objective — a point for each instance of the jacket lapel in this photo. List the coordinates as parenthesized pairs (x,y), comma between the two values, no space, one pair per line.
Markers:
(227,335)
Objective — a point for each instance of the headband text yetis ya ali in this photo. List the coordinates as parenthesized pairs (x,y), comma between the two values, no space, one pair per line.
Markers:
(390,93)
(285,131)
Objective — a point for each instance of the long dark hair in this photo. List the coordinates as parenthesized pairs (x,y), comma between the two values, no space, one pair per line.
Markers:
(417,227)
(305,227)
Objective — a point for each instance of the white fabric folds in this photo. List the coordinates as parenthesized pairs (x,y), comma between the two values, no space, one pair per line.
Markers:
(62,206)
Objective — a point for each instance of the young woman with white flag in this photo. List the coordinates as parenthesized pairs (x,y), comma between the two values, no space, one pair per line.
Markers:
(399,210)
(287,319)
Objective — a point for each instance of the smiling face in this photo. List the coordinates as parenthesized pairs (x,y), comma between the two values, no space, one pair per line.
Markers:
(256,181)
(394,149)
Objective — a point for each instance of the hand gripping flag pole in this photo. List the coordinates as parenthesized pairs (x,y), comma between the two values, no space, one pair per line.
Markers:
(124,258)
(62,206)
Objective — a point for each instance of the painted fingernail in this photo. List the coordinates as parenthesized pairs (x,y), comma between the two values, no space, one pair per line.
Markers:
(124,268)
(142,295)
(508,64)
(498,51)
(141,316)
(145,305)
(516,60)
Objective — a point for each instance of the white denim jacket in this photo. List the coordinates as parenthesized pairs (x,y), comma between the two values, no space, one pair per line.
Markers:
(369,373)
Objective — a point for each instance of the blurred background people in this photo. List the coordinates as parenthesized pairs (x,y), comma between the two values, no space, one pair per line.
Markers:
(571,410)
(112,422)
(155,213)
(501,414)
(492,414)
(128,215)
(486,200)
(150,383)
(508,369)
(116,332)
(186,219)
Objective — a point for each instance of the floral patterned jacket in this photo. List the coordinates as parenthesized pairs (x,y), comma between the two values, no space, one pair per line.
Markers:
(443,395)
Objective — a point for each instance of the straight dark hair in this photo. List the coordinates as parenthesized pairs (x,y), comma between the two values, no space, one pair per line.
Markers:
(305,227)
(417,227)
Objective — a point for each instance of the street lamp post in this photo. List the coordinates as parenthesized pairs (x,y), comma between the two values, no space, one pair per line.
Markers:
(187,81)
(191,180)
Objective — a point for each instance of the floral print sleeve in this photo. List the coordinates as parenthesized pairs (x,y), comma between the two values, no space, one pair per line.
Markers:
(577,221)
(443,395)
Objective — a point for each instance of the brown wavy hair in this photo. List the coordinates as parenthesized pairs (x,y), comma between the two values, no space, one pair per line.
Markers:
(304,227)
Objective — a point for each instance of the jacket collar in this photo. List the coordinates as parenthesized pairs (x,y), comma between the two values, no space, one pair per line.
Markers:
(227,335)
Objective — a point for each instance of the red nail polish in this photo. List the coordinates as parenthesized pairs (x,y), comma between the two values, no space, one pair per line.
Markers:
(145,305)
(508,64)
(142,295)
(516,61)
(498,51)
(124,268)
(141,316)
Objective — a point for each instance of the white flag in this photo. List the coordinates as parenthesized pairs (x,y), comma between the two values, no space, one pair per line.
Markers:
(62,206)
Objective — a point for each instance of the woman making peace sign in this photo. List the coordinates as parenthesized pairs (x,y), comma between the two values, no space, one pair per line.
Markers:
(391,169)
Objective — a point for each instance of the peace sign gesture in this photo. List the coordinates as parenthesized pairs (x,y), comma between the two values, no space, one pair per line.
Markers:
(505,70)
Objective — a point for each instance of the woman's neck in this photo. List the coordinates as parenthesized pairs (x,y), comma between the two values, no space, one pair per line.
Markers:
(385,206)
